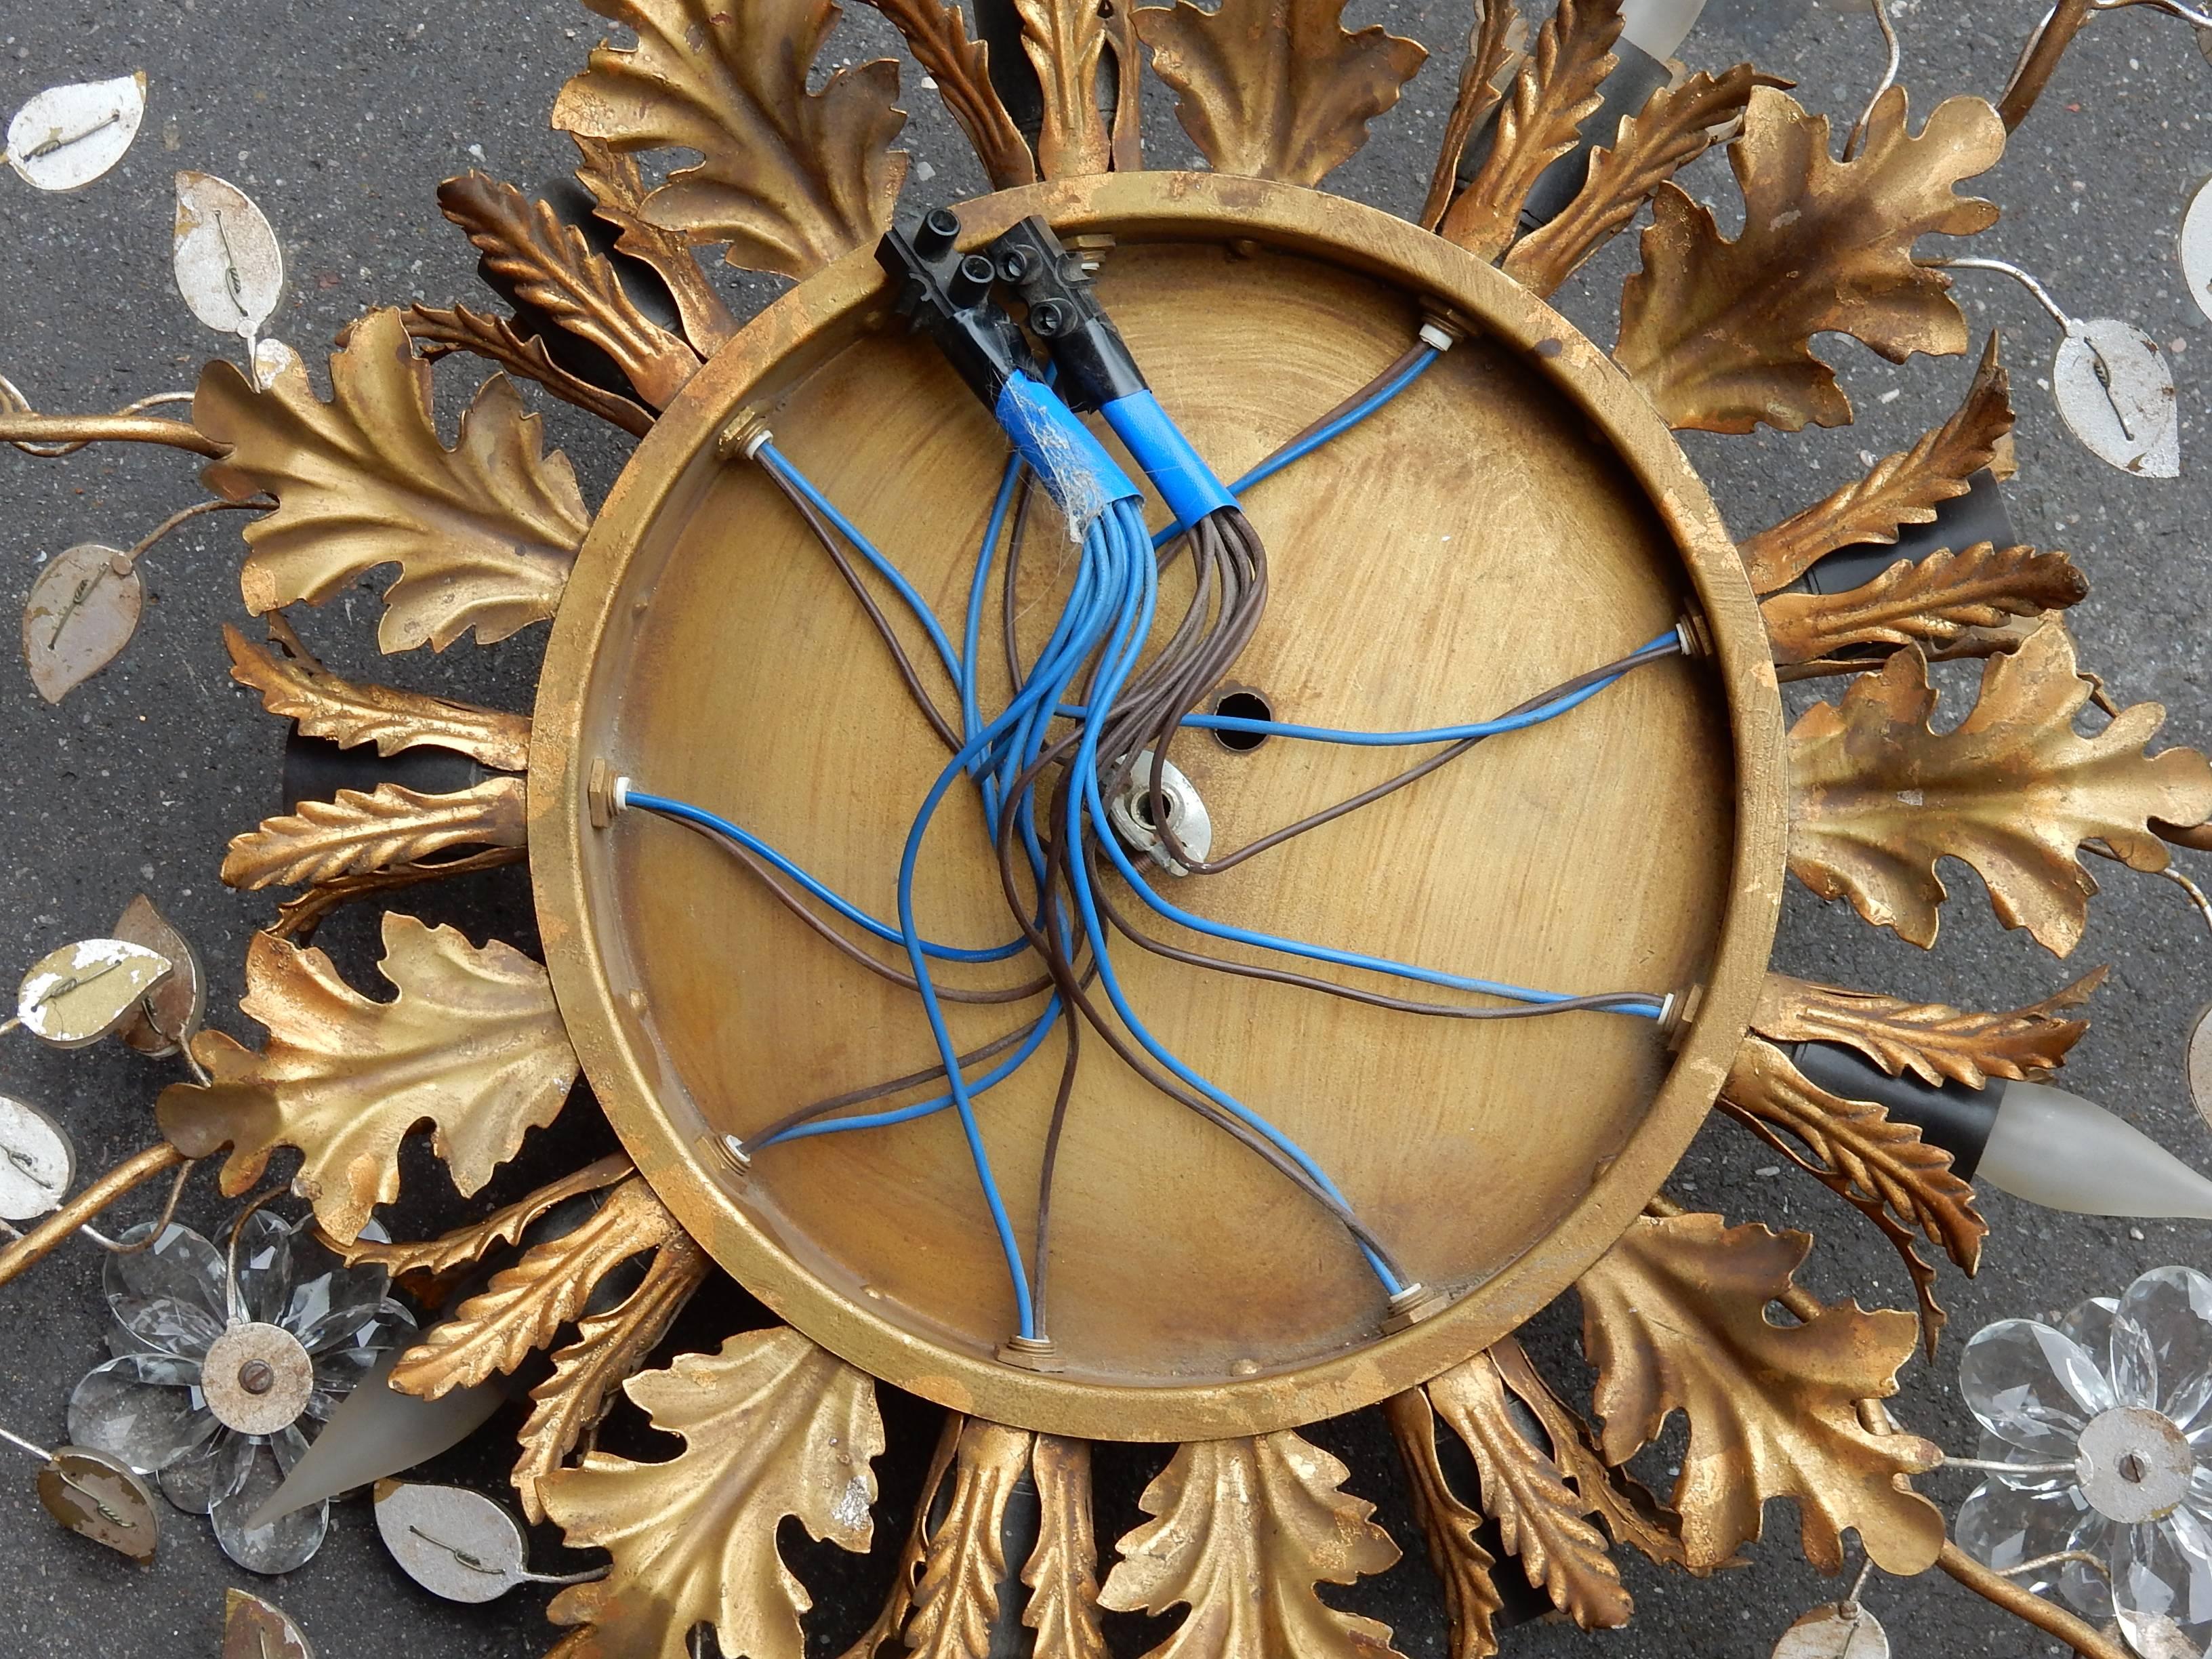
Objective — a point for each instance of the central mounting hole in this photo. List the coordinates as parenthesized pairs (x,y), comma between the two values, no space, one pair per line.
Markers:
(257,1376)
(1141,804)
(2132,1469)
(1242,706)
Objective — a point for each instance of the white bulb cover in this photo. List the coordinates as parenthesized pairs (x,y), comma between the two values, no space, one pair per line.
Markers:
(2057,1150)
(1657,27)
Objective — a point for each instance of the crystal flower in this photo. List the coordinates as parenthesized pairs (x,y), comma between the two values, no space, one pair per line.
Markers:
(222,1366)
(2110,1417)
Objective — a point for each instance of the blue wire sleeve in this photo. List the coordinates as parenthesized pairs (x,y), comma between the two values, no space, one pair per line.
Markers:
(772,458)
(669,808)
(1185,481)
(1074,467)
(1342,424)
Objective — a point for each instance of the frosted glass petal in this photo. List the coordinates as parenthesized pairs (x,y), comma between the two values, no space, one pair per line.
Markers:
(2032,1386)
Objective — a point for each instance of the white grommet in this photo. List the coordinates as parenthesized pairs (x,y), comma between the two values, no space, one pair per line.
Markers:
(622,794)
(1435,337)
(752,444)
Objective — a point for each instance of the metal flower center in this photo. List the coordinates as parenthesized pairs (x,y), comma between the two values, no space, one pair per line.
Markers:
(2134,1465)
(257,1378)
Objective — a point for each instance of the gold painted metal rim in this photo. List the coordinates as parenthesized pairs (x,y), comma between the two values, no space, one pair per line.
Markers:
(618,1055)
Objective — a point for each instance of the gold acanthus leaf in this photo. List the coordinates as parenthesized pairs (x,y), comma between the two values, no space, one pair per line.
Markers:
(1675,1319)
(1276,88)
(1067,42)
(881,1640)
(1882,1166)
(1062,1574)
(1538,1516)
(1898,489)
(618,192)
(1718,334)
(299,916)
(1934,1040)
(440,333)
(566,1407)
(525,1306)
(1243,1530)
(483,533)
(553,268)
(1934,603)
(327,705)
(789,178)
(773,1426)
(1493,46)
(937,35)
(358,833)
(956,1601)
(1556,92)
(1876,797)
(1451,1528)
(415,1264)
(1676,126)
(471,1045)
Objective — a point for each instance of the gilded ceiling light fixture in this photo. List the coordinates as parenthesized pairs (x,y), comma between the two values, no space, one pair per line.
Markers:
(986,895)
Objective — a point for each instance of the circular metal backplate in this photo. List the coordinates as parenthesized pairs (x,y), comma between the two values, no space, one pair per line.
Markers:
(1520,515)
(2135,1465)
(257,1378)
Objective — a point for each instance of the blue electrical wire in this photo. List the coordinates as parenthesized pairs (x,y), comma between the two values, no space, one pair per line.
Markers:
(1336,428)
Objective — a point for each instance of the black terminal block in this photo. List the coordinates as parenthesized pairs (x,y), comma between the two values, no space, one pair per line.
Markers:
(949,296)
(1095,365)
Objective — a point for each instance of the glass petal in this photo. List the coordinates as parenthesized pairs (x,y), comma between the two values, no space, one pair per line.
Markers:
(2003,1524)
(180,1265)
(374,1324)
(284,1544)
(2091,1323)
(337,1374)
(2168,1315)
(196,1480)
(264,1267)
(142,1408)
(162,1324)
(2032,1386)
(2162,1586)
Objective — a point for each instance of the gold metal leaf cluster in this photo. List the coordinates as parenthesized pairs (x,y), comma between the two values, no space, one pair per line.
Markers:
(1876,796)
(472,1045)
(1717,333)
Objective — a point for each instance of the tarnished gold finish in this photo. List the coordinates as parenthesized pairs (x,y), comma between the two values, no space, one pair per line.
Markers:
(1540,1518)
(439,331)
(956,1601)
(255,1629)
(551,266)
(1450,1527)
(567,1407)
(1880,1165)
(1493,46)
(1242,1530)
(1876,797)
(1673,1318)
(1067,42)
(419,1266)
(1676,126)
(788,177)
(171,1011)
(472,1043)
(1556,92)
(937,35)
(1934,1040)
(2040,59)
(881,1640)
(525,1306)
(1276,88)
(327,705)
(1898,489)
(25,428)
(908,1292)
(299,916)
(483,533)
(618,192)
(1717,334)
(358,833)
(1062,1574)
(773,1426)
(1936,603)
(56,1230)
(2016,1599)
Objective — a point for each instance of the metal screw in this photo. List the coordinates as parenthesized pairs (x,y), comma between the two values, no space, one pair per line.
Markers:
(257,1376)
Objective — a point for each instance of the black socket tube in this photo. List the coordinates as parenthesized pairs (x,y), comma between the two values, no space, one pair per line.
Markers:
(1962,522)
(1951,1115)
